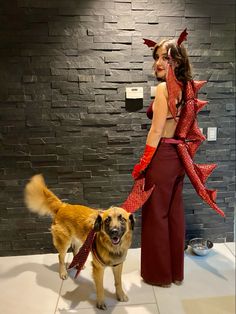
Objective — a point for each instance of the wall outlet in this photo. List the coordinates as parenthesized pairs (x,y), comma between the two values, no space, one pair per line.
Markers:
(212,134)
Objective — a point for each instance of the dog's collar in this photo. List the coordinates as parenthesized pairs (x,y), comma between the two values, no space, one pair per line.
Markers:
(98,257)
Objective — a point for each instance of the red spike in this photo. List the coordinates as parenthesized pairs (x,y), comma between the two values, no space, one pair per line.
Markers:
(200,104)
(192,147)
(195,133)
(212,194)
(204,171)
(198,85)
(208,196)
(149,42)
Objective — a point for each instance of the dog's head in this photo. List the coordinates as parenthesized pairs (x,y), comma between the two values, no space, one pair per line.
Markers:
(114,223)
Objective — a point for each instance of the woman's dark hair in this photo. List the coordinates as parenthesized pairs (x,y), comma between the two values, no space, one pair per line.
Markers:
(179,54)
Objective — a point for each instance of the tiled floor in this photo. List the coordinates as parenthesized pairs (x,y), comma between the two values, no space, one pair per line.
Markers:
(31,285)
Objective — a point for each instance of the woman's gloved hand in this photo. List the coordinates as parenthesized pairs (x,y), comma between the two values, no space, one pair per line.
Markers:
(144,161)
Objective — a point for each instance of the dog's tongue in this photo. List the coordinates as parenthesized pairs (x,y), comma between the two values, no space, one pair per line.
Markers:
(115,240)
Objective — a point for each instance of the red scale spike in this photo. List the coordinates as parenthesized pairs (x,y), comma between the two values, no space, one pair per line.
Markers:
(204,171)
(198,85)
(212,194)
(200,104)
(192,147)
(209,197)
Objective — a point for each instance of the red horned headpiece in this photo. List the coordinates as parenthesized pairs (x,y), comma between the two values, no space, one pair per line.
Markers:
(182,37)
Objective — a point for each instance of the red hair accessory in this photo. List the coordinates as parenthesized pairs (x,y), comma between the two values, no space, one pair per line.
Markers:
(182,37)
(149,43)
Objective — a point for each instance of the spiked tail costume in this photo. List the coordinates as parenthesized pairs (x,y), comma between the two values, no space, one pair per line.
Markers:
(188,131)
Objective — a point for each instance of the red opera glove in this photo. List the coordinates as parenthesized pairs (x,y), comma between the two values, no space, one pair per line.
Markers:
(144,161)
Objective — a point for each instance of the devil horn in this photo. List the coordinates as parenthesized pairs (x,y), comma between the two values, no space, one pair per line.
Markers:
(149,43)
(182,37)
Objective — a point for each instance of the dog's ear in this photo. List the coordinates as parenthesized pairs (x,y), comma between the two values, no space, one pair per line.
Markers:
(132,221)
(98,223)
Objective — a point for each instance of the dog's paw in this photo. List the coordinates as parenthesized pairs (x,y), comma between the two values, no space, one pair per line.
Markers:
(122,297)
(101,305)
(63,275)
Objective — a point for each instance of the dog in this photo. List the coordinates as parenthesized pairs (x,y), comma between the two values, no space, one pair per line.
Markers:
(71,225)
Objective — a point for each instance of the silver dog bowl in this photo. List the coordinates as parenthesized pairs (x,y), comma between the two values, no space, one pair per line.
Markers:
(200,246)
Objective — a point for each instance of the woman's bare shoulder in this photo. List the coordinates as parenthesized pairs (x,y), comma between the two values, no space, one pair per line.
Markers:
(162,88)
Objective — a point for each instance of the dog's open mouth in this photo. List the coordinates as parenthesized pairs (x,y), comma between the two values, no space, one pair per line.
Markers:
(115,240)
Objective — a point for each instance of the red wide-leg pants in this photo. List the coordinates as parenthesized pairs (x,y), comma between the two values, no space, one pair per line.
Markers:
(163,225)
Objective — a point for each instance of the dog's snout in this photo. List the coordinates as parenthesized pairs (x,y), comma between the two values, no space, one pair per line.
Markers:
(114,231)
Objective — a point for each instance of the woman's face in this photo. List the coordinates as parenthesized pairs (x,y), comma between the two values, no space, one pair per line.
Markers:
(161,62)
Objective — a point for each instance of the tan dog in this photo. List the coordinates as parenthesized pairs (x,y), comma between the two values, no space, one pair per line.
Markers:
(72,223)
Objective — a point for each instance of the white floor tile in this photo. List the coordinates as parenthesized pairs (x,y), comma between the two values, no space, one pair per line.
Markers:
(205,277)
(29,284)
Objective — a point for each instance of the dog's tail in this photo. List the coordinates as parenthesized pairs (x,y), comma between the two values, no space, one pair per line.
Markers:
(39,199)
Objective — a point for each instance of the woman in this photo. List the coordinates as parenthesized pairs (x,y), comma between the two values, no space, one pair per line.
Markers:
(170,146)
(163,215)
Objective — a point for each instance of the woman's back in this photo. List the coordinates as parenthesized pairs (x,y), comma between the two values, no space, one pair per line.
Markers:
(170,126)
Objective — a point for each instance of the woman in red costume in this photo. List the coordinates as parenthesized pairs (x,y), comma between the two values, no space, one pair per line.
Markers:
(170,146)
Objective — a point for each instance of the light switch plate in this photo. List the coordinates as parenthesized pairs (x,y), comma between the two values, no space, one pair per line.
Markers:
(212,134)
(134,92)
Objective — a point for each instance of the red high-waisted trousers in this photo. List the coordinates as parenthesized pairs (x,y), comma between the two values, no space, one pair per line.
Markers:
(163,225)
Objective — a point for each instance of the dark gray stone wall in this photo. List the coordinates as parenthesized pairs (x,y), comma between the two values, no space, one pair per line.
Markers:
(64,68)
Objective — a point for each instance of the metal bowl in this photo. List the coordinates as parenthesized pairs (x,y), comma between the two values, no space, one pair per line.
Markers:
(200,246)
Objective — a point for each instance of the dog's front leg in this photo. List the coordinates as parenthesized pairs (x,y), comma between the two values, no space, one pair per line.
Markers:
(62,266)
(117,271)
(61,244)
(98,273)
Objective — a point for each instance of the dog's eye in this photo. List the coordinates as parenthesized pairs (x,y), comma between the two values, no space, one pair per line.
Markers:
(107,220)
(121,218)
